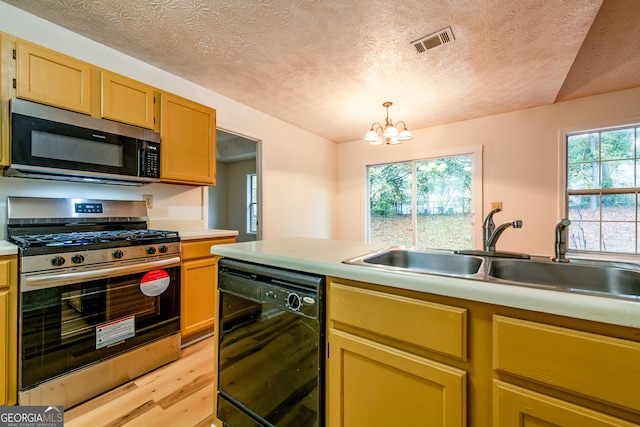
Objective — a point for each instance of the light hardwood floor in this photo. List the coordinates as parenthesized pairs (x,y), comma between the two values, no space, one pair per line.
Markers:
(179,394)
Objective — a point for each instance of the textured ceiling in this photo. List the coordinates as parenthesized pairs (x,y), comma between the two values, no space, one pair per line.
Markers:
(328,65)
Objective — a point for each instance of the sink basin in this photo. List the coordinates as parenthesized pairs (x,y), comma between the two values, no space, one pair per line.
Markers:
(574,277)
(423,261)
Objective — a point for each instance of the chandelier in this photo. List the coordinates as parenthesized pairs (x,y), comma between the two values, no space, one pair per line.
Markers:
(389,134)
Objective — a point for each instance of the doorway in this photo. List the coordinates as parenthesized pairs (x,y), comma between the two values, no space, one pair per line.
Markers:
(235,200)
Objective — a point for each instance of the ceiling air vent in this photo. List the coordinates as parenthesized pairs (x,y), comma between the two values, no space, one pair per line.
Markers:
(432,40)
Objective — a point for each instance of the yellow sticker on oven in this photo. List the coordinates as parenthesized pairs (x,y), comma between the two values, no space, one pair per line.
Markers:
(154,282)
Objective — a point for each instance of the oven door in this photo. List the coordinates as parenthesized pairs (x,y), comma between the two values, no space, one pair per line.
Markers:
(73,325)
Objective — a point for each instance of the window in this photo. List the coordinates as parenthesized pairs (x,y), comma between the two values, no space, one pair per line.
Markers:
(252,203)
(425,202)
(603,171)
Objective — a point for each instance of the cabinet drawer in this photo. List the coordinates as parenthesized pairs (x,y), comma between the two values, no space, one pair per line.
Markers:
(5,273)
(435,327)
(596,366)
(516,406)
(202,248)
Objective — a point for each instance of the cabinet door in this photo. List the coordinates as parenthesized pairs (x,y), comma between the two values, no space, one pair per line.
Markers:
(198,295)
(6,77)
(5,349)
(51,78)
(370,384)
(188,148)
(519,407)
(126,100)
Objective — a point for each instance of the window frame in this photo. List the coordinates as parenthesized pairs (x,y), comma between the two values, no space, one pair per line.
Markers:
(251,203)
(476,153)
(565,192)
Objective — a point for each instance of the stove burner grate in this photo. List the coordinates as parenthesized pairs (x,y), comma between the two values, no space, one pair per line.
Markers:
(89,238)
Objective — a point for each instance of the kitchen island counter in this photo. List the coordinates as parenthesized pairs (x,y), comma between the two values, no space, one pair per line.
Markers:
(325,257)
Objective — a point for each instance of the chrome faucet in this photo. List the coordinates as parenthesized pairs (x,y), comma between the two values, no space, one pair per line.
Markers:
(561,240)
(491,233)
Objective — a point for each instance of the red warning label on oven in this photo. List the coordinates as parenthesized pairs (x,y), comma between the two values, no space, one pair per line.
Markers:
(154,282)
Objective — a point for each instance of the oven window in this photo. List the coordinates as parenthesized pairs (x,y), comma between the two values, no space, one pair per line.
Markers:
(65,328)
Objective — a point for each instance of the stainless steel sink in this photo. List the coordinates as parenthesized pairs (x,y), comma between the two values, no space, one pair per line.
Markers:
(422,261)
(582,277)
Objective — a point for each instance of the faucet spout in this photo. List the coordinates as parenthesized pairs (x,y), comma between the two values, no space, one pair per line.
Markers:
(488,227)
(493,238)
(561,240)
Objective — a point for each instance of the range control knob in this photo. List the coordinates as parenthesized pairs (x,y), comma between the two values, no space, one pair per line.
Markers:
(151,250)
(77,259)
(163,249)
(57,261)
(117,254)
(294,302)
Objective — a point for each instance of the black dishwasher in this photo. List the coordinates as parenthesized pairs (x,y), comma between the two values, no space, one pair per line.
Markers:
(271,346)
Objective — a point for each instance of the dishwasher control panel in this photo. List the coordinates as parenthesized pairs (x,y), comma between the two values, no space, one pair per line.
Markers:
(292,299)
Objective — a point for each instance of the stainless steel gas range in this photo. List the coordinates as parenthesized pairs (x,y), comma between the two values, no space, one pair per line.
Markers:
(99,296)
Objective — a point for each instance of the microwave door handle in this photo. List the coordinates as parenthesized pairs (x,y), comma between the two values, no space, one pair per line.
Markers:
(49,280)
(141,159)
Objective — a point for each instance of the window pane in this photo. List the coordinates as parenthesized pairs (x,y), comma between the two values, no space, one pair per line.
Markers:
(583,148)
(619,207)
(583,176)
(390,204)
(618,144)
(584,235)
(443,201)
(618,237)
(617,174)
(583,208)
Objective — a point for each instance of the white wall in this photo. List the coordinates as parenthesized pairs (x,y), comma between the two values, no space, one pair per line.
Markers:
(298,168)
(236,198)
(521,163)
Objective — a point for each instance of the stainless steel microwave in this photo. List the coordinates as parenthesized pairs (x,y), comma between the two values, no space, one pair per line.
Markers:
(52,143)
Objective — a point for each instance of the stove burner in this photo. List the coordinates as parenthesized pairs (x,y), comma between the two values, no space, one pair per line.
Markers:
(88,238)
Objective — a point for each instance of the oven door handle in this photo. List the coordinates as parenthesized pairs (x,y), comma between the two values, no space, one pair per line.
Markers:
(49,280)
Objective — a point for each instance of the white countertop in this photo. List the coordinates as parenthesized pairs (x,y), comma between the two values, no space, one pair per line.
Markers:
(7,248)
(206,233)
(325,257)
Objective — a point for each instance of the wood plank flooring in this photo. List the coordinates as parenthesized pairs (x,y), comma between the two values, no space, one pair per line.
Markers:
(179,394)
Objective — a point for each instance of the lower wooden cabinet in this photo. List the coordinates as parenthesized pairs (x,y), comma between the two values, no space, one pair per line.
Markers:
(519,407)
(8,330)
(377,374)
(596,366)
(400,357)
(372,384)
(197,298)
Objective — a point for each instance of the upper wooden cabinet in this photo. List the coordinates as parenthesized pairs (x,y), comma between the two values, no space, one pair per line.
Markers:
(125,100)
(188,135)
(51,78)
(5,58)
